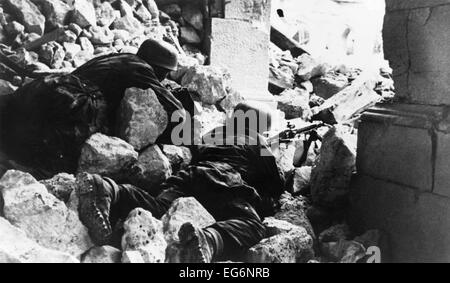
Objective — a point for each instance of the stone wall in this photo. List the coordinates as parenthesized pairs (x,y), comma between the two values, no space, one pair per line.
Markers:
(416,38)
(403,182)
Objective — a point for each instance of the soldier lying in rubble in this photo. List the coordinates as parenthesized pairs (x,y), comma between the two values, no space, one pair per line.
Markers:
(238,184)
(44,123)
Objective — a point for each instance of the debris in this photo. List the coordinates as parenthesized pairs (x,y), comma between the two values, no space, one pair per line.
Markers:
(106,14)
(151,169)
(104,254)
(335,233)
(45,219)
(61,186)
(292,210)
(212,83)
(83,13)
(179,156)
(189,35)
(330,178)
(52,54)
(27,14)
(15,247)
(142,118)
(107,156)
(295,104)
(6,87)
(369,239)
(144,234)
(193,15)
(343,251)
(309,68)
(302,178)
(289,247)
(329,84)
(56,12)
(184,210)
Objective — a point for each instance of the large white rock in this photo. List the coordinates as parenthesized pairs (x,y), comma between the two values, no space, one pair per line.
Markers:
(84,13)
(151,169)
(144,233)
(294,103)
(184,210)
(330,178)
(179,156)
(292,210)
(45,219)
(104,155)
(142,118)
(104,254)
(302,178)
(61,186)
(212,83)
(15,247)
(288,247)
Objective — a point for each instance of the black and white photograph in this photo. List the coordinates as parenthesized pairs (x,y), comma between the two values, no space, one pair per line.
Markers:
(233,133)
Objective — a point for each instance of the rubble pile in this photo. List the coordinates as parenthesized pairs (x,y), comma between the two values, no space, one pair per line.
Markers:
(306,86)
(48,36)
(39,219)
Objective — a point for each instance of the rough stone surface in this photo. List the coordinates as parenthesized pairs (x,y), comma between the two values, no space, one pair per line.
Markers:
(329,84)
(184,210)
(335,233)
(28,14)
(292,210)
(104,254)
(294,103)
(330,178)
(189,35)
(179,156)
(151,169)
(45,219)
(52,54)
(105,14)
(275,226)
(302,179)
(6,87)
(184,65)
(142,118)
(71,49)
(353,100)
(61,186)
(193,15)
(128,23)
(15,247)
(56,12)
(212,83)
(105,155)
(101,35)
(343,251)
(371,238)
(289,247)
(83,13)
(310,68)
(235,44)
(144,234)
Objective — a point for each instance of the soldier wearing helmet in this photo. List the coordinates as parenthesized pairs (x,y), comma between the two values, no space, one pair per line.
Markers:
(44,124)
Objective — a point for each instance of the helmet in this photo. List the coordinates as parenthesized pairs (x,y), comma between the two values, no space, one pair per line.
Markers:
(159,53)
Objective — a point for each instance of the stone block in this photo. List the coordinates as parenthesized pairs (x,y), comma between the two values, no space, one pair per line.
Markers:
(416,224)
(257,11)
(396,153)
(442,176)
(244,50)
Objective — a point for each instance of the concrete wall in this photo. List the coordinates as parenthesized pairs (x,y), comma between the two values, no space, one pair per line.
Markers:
(403,182)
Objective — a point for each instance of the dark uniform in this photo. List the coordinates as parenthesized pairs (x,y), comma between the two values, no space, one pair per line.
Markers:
(44,124)
(235,183)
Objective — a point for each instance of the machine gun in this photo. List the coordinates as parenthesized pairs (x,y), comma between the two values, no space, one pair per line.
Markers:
(292,132)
